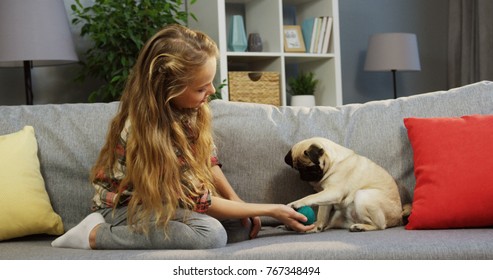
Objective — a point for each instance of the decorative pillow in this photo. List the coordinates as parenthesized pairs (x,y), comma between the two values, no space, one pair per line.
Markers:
(453,165)
(25,207)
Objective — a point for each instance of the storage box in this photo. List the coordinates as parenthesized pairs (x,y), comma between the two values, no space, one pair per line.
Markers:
(254,87)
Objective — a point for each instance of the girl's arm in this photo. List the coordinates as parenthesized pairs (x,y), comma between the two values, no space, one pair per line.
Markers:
(228,209)
(223,187)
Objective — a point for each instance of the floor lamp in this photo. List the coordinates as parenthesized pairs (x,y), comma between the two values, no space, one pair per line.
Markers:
(392,52)
(34,33)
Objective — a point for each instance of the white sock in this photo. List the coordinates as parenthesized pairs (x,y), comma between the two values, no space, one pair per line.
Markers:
(78,236)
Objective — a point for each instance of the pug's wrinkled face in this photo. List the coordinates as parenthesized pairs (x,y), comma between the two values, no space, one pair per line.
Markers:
(307,162)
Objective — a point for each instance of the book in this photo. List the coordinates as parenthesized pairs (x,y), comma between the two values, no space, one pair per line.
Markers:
(328,31)
(316,35)
(307,32)
(323,26)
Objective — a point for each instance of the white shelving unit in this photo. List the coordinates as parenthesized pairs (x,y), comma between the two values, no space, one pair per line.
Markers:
(267,17)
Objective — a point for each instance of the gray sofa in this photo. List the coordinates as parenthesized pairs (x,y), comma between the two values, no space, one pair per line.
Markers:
(253,140)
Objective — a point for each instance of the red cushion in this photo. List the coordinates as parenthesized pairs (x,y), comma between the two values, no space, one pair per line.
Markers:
(453,165)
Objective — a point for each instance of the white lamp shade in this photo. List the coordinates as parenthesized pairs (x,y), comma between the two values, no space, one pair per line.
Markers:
(35,30)
(392,51)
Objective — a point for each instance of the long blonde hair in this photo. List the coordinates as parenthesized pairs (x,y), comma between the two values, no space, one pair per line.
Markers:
(164,68)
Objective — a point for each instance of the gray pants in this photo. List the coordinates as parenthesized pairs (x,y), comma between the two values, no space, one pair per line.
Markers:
(198,231)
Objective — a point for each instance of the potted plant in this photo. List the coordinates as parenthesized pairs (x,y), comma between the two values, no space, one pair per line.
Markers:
(302,89)
(118,29)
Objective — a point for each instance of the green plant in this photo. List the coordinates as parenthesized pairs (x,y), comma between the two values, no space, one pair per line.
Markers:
(303,84)
(118,30)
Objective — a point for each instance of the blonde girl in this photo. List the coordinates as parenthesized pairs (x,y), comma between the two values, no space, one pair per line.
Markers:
(158,182)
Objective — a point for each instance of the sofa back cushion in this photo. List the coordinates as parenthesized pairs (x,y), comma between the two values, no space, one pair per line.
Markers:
(253,139)
(69,137)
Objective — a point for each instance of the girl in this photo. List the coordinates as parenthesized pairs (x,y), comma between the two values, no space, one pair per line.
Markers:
(158,182)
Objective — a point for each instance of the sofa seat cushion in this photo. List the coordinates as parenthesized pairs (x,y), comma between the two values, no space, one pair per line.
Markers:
(277,244)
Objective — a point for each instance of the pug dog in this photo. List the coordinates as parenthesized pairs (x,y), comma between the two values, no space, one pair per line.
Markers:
(352,191)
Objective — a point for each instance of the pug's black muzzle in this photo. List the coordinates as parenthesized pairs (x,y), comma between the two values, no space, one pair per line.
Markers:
(311,173)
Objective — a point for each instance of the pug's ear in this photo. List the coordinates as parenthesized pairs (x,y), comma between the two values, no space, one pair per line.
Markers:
(314,153)
(289,159)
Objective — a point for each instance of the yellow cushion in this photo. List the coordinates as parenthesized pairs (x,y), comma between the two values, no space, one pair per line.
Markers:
(25,207)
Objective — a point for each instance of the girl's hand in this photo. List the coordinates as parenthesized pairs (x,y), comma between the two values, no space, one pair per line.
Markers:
(254,223)
(292,219)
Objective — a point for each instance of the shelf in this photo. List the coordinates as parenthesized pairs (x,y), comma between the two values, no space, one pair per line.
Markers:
(267,18)
(253,55)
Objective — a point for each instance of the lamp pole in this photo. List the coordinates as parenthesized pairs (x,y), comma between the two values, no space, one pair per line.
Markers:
(395,84)
(28,82)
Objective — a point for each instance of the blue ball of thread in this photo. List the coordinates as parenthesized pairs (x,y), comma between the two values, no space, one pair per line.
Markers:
(308,212)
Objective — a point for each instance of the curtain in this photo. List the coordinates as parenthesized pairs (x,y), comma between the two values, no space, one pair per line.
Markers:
(470,53)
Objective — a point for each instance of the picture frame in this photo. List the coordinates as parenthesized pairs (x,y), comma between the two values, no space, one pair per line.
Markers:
(293,39)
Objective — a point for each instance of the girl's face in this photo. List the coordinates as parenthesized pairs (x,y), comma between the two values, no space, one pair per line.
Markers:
(199,90)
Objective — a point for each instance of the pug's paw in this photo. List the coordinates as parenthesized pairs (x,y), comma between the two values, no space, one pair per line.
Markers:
(296,204)
(319,227)
(362,227)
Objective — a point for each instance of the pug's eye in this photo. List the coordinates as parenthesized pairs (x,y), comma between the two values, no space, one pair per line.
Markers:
(306,153)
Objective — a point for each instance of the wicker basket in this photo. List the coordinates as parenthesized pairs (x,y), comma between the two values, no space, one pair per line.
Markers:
(254,87)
